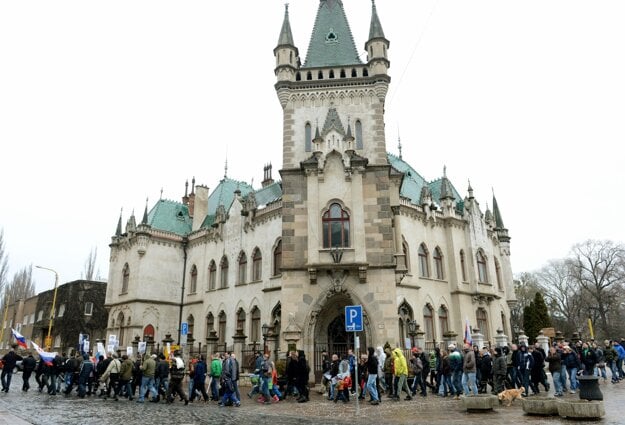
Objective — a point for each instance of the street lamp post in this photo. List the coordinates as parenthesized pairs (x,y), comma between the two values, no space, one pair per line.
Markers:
(48,341)
(265,331)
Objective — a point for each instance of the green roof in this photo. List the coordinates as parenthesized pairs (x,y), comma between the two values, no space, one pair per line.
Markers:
(224,194)
(268,194)
(413,183)
(331,42)
(170,216)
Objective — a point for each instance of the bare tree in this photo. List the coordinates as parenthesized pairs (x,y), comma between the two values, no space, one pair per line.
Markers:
(22,286)
(4,263)
(563,294)
(525,288)
(90,264)
(599,268)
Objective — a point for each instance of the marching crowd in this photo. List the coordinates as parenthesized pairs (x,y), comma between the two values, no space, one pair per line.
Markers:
(452,372)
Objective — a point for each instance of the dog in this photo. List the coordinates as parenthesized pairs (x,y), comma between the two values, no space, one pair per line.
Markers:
(509,396)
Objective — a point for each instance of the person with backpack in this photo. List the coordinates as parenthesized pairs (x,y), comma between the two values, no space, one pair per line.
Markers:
(215,373)
(176,375)
(416,369)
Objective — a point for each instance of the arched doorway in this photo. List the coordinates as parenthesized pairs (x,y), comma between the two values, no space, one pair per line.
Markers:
(330,334)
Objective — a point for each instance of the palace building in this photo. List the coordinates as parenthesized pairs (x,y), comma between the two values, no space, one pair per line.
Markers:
(347,223)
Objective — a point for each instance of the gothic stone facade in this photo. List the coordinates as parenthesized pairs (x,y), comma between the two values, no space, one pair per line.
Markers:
(347,224)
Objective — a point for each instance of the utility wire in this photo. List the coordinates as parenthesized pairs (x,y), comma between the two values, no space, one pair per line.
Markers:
(414,49)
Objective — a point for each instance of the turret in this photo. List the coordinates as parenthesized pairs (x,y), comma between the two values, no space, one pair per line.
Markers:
(377,46)
(286,54)
(501,230)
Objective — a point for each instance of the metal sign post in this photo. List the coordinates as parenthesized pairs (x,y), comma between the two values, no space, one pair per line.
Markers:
(353,323)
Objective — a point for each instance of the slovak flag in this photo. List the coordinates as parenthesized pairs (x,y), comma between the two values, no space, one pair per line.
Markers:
(467,333)
(45,356)
(19,338)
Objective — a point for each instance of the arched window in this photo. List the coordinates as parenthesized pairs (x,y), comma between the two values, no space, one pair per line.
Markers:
(121,323)
(438,263)
(257,265)
(406,252)
(498,274)
(342,73)
(463,266)
(255,335)
(223,278)
(242,275)
(308,137)
(277,258)
(320,75)
(335,227)
(309,75)
(125,278)
(193,281)
(424,266)
(190,325)
(331,73)
(428,323)
(481,318)
(443,320)
(354,73)
(210,323)
(504,324)
(298,77)
(365,72)
(241,320)
(221,332)
(148,331)
(276,318)
(482,275)
(212,275)
(359,142)
(405,316)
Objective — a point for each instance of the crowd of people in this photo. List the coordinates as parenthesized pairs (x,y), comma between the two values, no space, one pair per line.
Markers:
(453,372)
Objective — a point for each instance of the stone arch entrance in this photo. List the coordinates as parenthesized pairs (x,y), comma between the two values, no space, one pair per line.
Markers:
(328,330)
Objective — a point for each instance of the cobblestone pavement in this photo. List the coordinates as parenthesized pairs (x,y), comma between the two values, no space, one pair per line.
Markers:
(36,408)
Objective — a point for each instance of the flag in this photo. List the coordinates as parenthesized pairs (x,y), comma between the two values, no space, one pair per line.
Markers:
(19,338)
(46,357)
(467,333)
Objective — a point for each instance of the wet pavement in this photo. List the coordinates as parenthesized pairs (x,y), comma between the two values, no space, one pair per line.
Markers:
(33,407)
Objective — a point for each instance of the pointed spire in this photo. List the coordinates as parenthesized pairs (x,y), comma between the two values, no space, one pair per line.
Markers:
(226,169)
(399,143)
(186,188)
(145,213)
(118,232)
(375,30)
(161,193)
(349,130)
(286,36)
(470,190)
(447,191)
(193,185)
(497,215)
(488,216)
(331,42)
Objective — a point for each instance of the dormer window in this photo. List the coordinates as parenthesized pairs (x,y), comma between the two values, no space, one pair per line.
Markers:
(332,37)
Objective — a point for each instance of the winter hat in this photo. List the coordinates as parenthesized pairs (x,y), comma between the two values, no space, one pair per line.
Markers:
(452,346)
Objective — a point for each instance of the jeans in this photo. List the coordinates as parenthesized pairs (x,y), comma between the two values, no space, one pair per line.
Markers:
(469,377)
(512,376)
(619,368)
(372,387)
(614,371)
(264,388)
(215,388)
(563,377)
(444,386)
(573,377)
(456,381)
(121,384)
(557,382)
(525,379)
(147,384)
(6,378)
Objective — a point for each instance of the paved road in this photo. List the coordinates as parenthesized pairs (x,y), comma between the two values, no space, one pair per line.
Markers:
(19,408)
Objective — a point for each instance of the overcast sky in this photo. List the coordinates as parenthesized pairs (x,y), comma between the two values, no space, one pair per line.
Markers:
(104,103)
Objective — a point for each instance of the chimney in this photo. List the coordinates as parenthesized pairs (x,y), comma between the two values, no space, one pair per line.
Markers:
(191,198)
(267,180)
(201,209)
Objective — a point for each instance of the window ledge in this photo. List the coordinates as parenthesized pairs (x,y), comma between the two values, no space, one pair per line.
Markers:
(255,281)
(222,288)
(123,293)
(278,276)
(241,284)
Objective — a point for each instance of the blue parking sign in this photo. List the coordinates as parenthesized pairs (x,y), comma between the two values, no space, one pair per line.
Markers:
(184,328)
(353,318)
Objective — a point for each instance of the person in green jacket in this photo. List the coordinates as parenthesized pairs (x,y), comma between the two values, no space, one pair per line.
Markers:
(215,373)
(147,381)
